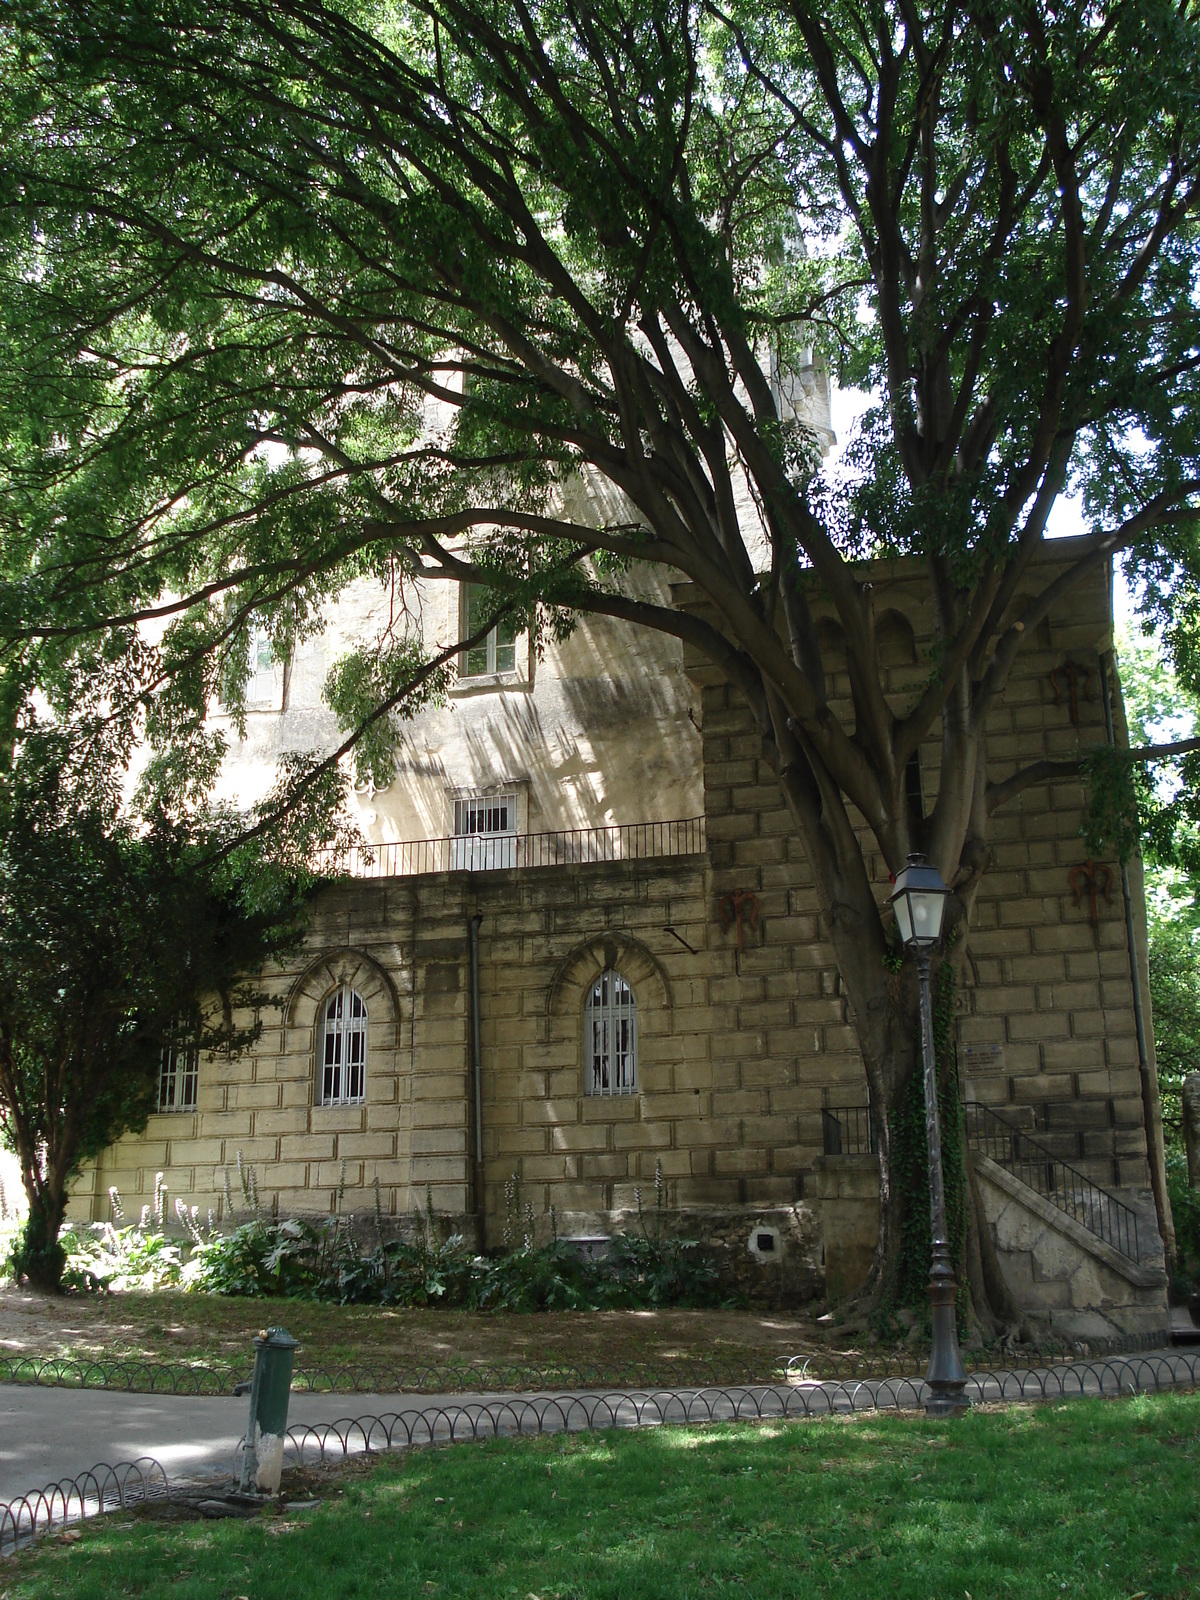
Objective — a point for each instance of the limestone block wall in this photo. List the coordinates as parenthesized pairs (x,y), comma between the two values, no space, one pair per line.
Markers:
(1046,1027)
(594,731)
(731,1123)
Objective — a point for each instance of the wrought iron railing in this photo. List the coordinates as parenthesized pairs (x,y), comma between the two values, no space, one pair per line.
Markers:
(1064,1186)
(493,852)
(848,1130)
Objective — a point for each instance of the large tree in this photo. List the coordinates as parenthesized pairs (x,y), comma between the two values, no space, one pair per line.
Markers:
(119,937)
(444,254)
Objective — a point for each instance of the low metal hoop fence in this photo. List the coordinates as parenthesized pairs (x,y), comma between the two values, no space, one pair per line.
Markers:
(139,1376)
(536,1415)
(106,1488)
(100,1489)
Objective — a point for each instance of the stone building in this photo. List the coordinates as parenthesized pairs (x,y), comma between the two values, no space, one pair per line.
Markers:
(586,945)
(583,947)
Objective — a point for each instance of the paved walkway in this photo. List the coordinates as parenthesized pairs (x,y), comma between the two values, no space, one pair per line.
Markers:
(48,1434)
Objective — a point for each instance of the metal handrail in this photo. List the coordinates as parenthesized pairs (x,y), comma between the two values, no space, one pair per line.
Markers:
(848,1131)
(1064,1186)
(493,852)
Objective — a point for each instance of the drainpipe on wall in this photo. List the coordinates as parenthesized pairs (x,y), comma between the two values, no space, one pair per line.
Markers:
(1151,1102)
(477,1074)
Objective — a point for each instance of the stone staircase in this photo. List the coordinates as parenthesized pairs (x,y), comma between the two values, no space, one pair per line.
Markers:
(1082,1260)
(1037,1162)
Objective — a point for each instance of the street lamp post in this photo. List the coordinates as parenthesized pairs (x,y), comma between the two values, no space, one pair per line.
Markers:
(919,901)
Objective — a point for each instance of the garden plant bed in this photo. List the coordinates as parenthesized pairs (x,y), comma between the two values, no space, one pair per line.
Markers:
(1092,1499)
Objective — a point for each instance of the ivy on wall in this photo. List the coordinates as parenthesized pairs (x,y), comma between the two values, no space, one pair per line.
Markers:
(910,1156)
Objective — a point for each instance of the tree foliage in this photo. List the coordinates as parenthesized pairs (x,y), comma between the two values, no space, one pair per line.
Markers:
(116,940)
(1158,703)
(328,288)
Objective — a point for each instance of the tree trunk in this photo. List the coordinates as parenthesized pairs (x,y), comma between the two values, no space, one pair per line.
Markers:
(1191,1127)
(992,1297)
(887,1005)
(39,1257)
(884,1018)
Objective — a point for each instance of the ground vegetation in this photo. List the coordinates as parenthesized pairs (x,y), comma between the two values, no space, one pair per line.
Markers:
(181,1328)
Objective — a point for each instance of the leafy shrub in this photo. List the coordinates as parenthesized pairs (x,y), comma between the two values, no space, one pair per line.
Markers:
(112,1258)
(1185,1209)
(10,1230)
(10,1233)
(665,1272)
(259,1258)
(552,1277)
(422,1272)
(302,1258)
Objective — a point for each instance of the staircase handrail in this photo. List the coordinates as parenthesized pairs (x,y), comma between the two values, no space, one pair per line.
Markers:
(1036,1165)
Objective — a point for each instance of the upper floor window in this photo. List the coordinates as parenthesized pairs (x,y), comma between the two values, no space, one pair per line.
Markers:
(264,686)
(178,1077)
(498,652)
(343,1048)
(610,1036)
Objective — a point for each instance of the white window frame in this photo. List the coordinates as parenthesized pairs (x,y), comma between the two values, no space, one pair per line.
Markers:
(485,832)
(264,686)
(342,1049)
(610,1053)
(178,1077)
(491,644)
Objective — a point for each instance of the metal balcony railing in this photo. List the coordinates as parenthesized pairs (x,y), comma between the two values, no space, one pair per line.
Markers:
(848,1130)
(1055,1180)
(494,852)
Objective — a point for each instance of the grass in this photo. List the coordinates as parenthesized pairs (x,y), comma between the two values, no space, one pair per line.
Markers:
(171,1326)
(1092,1499)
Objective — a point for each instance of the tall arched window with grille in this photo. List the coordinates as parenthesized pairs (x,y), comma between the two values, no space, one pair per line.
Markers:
(610,1036)
(343,1048)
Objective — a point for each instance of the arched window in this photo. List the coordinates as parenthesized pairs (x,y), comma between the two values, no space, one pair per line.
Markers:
(610,1036)
(343,1048)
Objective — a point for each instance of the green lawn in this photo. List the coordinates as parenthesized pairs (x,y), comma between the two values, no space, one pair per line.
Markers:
(1094,1499)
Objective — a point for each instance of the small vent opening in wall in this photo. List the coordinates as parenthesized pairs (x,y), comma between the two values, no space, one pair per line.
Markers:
(764,1243)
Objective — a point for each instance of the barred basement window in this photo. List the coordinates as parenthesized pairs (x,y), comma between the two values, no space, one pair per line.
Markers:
(610,1036)
(178,1077)
(343,1048)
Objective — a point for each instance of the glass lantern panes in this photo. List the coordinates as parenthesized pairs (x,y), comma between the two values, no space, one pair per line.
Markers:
(498,652)
(343,1048)
(178,1078)
(919,902)
(610,1036)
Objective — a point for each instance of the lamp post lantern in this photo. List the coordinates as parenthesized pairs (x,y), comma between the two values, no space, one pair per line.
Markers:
(919,901)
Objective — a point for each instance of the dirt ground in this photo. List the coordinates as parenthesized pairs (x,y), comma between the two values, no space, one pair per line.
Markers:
(169,1326)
